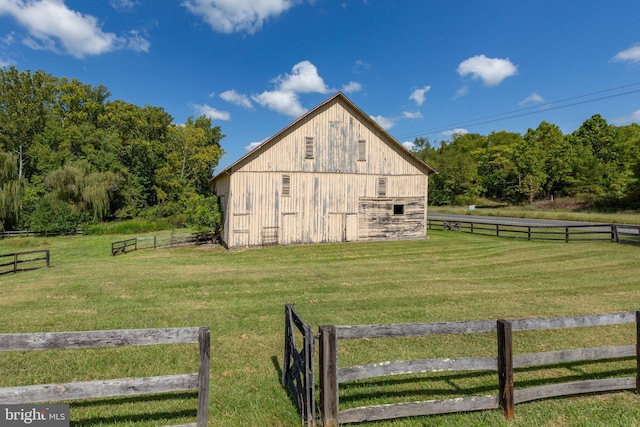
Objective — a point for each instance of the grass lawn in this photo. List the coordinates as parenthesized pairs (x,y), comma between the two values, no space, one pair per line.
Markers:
(241,295)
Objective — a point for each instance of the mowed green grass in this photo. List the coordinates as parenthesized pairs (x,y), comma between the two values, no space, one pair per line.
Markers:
(240,295)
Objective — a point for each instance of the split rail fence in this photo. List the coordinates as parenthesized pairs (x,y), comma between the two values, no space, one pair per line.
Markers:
(23,261)
(163,241)
(113,387)
(331,375)
(618,233)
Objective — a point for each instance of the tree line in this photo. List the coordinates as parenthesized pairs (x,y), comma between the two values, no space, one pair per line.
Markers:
(598,164)
(70,156)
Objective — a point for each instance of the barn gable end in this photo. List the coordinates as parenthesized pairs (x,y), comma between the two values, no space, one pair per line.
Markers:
(332,175)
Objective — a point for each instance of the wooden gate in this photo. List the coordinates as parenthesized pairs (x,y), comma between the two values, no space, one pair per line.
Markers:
(297,369)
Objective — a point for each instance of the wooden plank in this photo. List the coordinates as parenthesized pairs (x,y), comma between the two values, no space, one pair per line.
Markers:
(412,409)
(638,351)
(328,376)
(579,387)
(505,368)
(98,389)
(399,367)
(562,356)
(204,339)
(414,329)
(573,321)
(90,339)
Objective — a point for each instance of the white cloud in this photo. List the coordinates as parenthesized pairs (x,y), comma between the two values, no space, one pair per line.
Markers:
(212,113)
(411,115)
(385,122)
(352,87)
(461,92)
(632,118)
(452,132)
(304,78)
(9,38)
(235,98)
(252,146)
(491,71)
(408,145)
(281,102)
(417,95)
(123,5)
(138,43)
(360,67)
(53,26)
(229,16)
(632,54)
(534,98)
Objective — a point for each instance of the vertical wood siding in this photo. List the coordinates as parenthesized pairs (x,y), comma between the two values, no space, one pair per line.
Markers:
(332,196)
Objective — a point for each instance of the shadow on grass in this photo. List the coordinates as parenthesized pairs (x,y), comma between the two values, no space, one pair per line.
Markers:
(164,416)
(438,386)
(290,395)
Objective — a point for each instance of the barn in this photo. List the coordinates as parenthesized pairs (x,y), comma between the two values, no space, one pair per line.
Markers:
(333,175)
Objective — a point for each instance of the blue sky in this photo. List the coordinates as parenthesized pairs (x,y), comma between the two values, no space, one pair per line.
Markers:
(419,68)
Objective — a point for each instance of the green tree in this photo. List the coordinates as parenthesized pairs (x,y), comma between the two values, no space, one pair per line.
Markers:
(193,152)
(457,179)
(203,213)
(24,102)
(11,190)
(497,167)
(87,193)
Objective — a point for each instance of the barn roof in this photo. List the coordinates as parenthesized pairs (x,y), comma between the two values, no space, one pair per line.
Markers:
(340,97)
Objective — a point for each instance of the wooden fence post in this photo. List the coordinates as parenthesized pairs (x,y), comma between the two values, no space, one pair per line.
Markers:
(566,234)
(638,352)
(47,258)
(505,368)
(329,376)
(614,233)
(15,263)
(204,339)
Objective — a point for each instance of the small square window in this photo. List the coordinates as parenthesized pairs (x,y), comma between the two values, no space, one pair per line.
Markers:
(286,185)
(308,148)
(398,209)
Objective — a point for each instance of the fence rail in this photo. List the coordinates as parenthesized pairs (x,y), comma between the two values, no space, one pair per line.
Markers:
(162,241)
(23,261)
(504,364)
(618,233)
(113,387)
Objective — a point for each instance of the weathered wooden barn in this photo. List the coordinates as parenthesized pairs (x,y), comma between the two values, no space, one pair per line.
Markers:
(333,175)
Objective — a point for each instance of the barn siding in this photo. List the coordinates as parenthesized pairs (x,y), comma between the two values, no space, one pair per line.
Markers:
(377,220)
(336,134)
(333,196)
(318,208)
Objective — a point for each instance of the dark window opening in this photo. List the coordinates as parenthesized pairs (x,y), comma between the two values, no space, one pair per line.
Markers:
(398,209)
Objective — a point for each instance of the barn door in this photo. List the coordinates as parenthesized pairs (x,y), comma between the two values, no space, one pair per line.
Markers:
(336,228)
(289,229)
(241,227)
(351,227)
